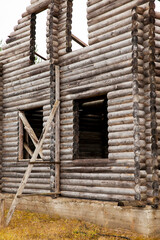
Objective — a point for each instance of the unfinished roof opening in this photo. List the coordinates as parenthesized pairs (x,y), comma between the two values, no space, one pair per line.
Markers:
(79,25)
(38,37)
(31,118)
(91,128)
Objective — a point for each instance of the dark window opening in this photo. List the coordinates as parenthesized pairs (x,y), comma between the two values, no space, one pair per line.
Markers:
(91,128)
(26,145)
(38,37)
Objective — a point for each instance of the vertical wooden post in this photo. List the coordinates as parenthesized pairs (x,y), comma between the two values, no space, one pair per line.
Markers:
(57,131)
(2,212)
(20,139)
(32,38)
(26,138)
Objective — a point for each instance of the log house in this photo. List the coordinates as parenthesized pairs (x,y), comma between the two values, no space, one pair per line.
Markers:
(107,136)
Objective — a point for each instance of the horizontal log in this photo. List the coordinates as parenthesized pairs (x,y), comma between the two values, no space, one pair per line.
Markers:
(123,120)
(97,183)
(28,186)
(26,191)
(104,169)
(22,169)
(98,190)
(37,175)
(99,176)
(34,103)
(109,197)
(38,6)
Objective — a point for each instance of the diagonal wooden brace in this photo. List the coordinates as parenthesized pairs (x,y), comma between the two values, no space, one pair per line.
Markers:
(30,131)
(33,159)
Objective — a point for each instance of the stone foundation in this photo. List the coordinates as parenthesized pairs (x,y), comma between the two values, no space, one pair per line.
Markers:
(141,220)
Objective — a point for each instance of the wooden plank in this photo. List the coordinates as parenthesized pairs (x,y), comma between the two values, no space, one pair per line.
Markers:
(79,41)
(21,132)
(45,162)
(33,159)
(57,130)
(30,130)
(28,149)
(2,220)
(39,194)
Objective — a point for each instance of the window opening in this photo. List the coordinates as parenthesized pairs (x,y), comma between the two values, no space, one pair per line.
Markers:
(157,6)
(38,37)
(79,25)
(91,128)
(26,145)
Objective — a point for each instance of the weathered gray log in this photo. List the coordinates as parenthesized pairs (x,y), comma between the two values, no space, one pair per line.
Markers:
(38,6)
(109,197)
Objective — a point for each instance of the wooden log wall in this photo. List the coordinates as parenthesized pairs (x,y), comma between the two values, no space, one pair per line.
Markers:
(119,65)
(25,86)
(106,67)
(157,81)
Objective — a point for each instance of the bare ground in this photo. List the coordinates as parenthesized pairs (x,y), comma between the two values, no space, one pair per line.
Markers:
(29,226)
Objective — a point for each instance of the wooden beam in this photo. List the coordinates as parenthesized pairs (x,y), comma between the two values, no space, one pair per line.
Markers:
(28,149)
(38,55)
(21,132)
(45,162)
(57,130)
(2,220)
(33,159)
(77,40)
(39,194)
(30,131)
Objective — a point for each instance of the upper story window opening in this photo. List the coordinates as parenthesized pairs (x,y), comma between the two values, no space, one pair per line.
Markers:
(38,37)
(79,24)
(157,6)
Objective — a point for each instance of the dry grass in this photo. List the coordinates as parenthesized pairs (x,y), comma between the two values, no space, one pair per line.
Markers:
(29,226)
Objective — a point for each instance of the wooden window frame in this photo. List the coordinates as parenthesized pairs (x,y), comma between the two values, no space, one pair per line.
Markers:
(24,124)
(33,52)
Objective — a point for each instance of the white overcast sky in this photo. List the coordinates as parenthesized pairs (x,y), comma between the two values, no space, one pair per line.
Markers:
(11,10)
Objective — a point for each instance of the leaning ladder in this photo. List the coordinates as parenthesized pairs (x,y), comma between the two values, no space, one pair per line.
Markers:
(38,150)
